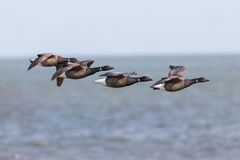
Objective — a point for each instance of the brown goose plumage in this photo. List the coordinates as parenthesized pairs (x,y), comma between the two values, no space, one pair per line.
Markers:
(60,79)
(117,79)
(79,70)
(176,80)
(49,60)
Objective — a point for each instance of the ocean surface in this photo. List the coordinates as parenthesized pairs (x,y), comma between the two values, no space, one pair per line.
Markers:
(86,121)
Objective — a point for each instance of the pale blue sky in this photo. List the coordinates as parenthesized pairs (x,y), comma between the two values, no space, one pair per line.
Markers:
(96,27)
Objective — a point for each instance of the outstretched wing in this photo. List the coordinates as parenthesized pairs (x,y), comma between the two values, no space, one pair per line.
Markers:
(86,63)
(60,79)
(176,71)
(112,74)
(39,59)
(167,79)
(174,80)
(118,74)
(64,69)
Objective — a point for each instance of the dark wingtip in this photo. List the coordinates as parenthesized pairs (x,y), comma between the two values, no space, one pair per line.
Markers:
(171,66)
(60,81)
(30,67)
(90,62)
(53,77)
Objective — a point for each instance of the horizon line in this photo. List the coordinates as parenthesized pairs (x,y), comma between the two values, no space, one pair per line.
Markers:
(142,54)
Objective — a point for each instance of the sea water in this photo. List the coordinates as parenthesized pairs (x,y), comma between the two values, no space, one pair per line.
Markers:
(86,121)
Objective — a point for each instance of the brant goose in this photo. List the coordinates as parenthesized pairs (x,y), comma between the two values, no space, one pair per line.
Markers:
(118,79)
(176,80)
(49,60)
(79,70)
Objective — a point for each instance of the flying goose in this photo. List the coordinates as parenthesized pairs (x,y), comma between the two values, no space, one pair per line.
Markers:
(79,70)
(176,80)
(118,79)
(49,60)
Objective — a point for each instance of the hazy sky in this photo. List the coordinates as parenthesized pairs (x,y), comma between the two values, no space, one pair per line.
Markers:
(90,27)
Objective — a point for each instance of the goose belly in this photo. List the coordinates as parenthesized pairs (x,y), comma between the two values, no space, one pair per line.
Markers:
(174,86)
(75,74)
(116,82)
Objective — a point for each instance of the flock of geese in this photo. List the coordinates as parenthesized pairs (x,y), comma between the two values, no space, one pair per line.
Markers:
(73,68)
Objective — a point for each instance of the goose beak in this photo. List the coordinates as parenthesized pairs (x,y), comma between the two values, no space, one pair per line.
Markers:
(206,80)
